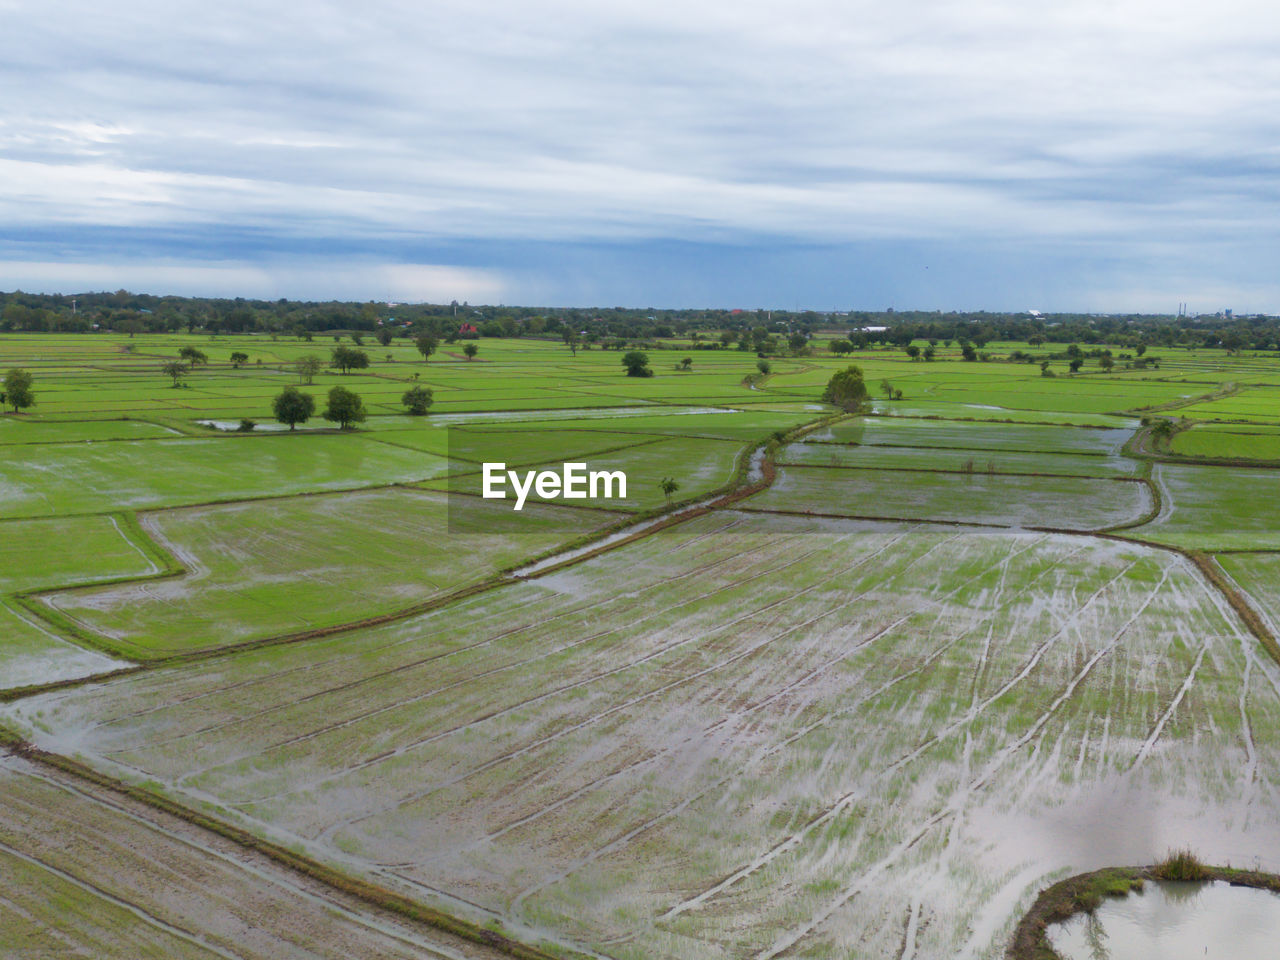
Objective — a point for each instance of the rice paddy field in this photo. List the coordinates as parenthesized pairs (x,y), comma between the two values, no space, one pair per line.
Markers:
(858,686)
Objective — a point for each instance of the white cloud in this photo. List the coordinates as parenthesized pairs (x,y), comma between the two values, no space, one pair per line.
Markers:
(814,121)
(297,280)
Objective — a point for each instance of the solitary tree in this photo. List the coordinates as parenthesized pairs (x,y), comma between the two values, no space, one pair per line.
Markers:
(571,340)
(968,352)
(384,336)
(886,388)
(174,369)
(669,486)
(347,359)
(193,356)
(1106,363)
(17,389)
(763,366)
(686,363)
(913,351)
(1075,365)
(930,351)
(345,408)
(426,345)
(238,358)
(471,350)
(293,407)
(417,400)
(797,342)
(847,390)
(637,363)
(308,367)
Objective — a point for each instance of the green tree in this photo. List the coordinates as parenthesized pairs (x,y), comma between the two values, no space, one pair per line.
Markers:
(192,356)
(238,358)
(384,336)
(929,352)
(308,367)
(847,390)
(417,400)
(1076,364)
(913,351)
(293,407)
(570,337)
(764,367)
(471,350)
(797,342)
(17,389)
(686,363)
(637,363)
(968,352)
(347,359)
(426,345)
(345,408)
(669,486)
(174,369)
(1106,363)
(886,388)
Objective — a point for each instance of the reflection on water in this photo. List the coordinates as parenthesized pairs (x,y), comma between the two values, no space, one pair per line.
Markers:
(1175,921)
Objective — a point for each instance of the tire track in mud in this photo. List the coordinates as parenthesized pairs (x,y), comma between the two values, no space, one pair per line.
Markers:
(542,696)
(416,664)
(334,827)
(1149,744)
(338,659)
(848,799)
(275,879)
(826,719)
(958,801)
(710,728)
(588,721)
(149,919)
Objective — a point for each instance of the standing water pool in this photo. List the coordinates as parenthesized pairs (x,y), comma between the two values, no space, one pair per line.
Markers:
(1175,921)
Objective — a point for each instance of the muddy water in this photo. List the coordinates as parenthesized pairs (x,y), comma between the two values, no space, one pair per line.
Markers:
(1175,921)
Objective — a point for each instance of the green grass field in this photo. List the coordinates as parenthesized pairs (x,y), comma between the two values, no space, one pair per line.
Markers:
(859,708)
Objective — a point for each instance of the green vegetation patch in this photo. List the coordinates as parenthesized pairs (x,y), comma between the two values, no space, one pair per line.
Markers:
(57,479)
(284,566)
(955,459)
(1214,508)
(44,553)
(1066,503)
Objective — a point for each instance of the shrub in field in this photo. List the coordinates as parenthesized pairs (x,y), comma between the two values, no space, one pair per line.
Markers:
(293,407)
(246,425)
(637,363)
(345,408)
(847,390)
(417,400)
(1181,865)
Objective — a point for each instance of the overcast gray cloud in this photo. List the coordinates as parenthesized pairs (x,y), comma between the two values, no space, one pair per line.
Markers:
(380,133)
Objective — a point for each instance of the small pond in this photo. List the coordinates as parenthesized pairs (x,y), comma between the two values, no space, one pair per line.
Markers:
(1175,921)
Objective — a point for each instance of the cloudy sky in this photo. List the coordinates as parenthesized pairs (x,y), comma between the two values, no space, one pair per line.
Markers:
(1001,154)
